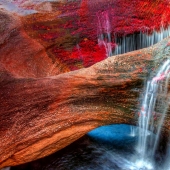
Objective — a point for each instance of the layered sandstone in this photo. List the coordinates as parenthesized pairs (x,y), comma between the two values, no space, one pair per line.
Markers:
(42,115)
(41,112)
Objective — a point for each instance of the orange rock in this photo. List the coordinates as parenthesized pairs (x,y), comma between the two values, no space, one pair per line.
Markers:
(41,113)
(21,55)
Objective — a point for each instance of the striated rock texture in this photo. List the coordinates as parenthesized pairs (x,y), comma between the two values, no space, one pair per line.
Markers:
(42,112)
(20,55)
(39,116)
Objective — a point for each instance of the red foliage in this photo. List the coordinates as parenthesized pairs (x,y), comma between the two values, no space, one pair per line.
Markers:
(87,20)
(89,52)
(86,53)
(125,16)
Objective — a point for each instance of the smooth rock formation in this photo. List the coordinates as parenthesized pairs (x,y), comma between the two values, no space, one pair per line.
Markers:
(42,112)
(42,115)
(22,56)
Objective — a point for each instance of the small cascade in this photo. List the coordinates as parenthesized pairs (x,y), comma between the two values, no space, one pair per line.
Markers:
(139,41)
(133,131)
(104,32)
(152,114)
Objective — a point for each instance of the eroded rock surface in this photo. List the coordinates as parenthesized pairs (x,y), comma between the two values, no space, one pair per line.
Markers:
(20,55)
(41,113)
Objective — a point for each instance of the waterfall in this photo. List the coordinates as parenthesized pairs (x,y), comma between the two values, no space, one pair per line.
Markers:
(138,41)
(126,43)
(133,131)
(152,114)
(104,32)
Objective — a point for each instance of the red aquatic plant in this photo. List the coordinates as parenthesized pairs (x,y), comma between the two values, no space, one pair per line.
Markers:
(86,53)
(84,24)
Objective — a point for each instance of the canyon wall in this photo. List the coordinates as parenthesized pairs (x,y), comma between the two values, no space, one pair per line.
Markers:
(47,103)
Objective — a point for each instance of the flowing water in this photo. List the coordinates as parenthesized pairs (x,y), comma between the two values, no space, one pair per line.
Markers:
(117,147)
(152,114)
(121,147)
(133,131)
(121,45)
(139,40)
(155,101)
(104,32)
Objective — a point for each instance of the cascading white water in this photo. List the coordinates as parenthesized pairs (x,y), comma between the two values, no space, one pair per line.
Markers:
(139,41)
(152,114)
(133,131)
(126,43)
(104,32)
